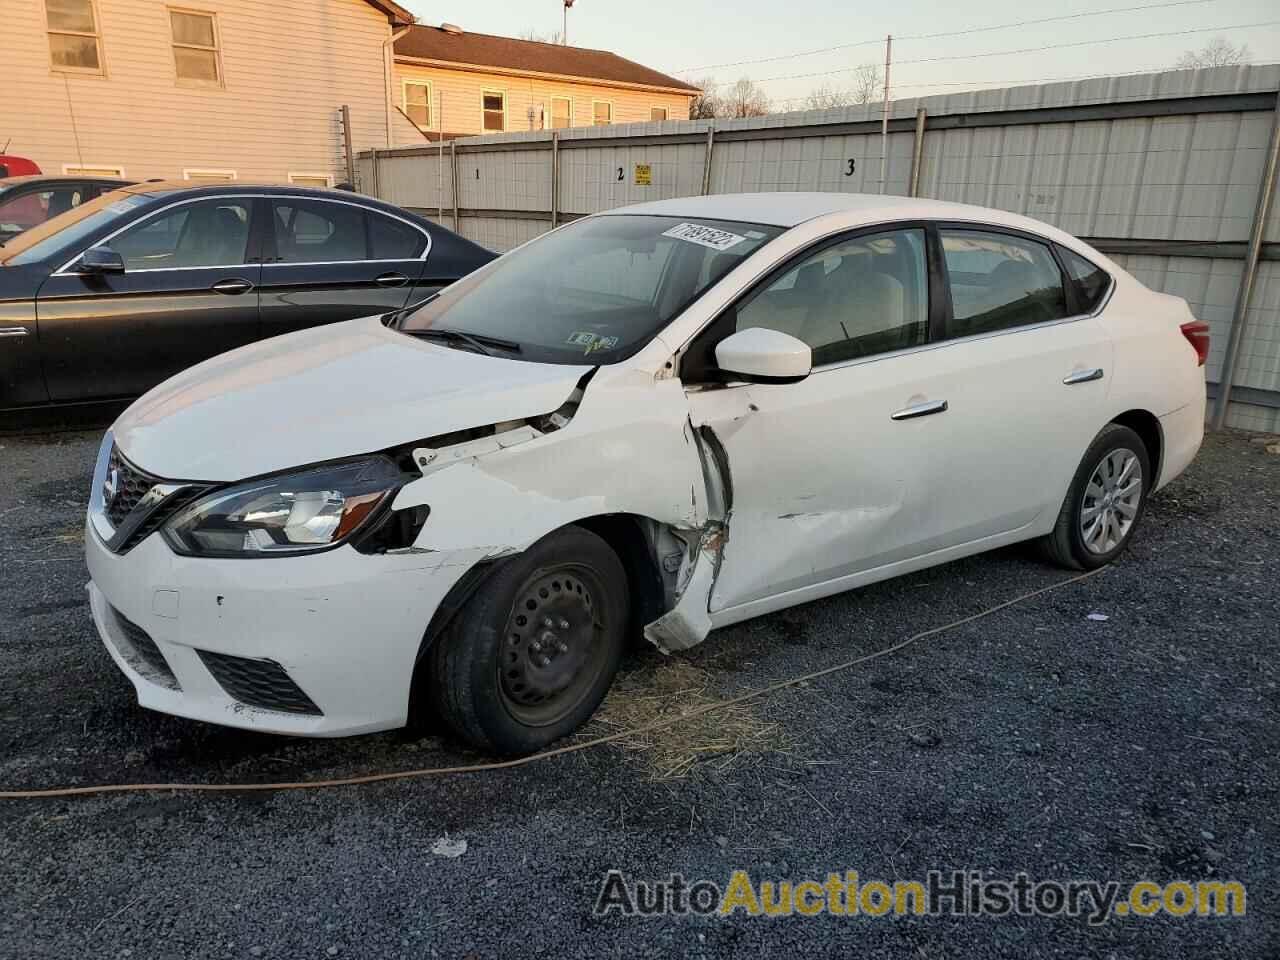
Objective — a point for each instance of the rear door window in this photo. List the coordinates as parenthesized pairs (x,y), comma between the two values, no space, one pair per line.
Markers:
(313,231)
(999,281)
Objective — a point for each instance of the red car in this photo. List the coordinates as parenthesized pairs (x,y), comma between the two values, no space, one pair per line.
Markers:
(16,166)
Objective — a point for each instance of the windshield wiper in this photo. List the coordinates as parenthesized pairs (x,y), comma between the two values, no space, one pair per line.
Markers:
(477,342)
(396,317)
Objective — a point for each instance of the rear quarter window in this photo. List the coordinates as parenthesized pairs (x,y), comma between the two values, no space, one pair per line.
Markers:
(1090,279)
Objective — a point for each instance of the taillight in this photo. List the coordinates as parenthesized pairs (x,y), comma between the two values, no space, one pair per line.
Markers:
(1197,334)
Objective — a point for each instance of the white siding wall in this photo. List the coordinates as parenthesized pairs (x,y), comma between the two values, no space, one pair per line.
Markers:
(288,66)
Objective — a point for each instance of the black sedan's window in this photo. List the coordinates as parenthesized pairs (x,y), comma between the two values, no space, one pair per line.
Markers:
(209,233)
(311,231)
(393,239)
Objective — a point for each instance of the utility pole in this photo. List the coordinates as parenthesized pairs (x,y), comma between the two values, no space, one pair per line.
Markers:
(884,114)
(564,32)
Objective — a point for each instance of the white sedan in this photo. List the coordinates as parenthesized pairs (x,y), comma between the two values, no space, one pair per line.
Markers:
(653,421)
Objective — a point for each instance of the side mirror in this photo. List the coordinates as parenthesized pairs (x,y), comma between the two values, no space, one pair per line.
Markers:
(101,260)
(764,356)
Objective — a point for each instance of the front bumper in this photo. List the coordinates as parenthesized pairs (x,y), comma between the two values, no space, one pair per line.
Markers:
(344,627)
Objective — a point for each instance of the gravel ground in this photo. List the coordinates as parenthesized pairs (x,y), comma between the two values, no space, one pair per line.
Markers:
(1038,739)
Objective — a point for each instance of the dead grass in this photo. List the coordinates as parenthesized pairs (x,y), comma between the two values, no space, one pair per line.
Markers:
(710,741)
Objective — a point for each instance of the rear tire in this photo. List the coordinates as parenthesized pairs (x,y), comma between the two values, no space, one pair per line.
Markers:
(531,655)
(1104,504)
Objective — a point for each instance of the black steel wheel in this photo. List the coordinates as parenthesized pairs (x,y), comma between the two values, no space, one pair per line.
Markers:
(530,656)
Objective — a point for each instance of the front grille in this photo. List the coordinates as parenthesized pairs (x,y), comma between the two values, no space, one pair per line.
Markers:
(145,654)
(131,485)
(258,683)
(136,504)
(158,517)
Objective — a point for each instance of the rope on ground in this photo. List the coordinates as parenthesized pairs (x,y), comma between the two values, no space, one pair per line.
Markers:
(546,754)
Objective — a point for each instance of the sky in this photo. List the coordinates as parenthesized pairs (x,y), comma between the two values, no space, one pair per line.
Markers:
(693,39)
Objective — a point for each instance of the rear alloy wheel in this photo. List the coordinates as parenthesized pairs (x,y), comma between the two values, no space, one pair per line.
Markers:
(529,658)
(1105,502)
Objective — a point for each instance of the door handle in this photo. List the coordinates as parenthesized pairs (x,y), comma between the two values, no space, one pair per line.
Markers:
(13,331)
(1083,376)
(233,287)
(391,280)
(920,410)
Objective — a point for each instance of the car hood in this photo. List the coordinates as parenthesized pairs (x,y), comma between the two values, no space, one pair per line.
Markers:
(320,394)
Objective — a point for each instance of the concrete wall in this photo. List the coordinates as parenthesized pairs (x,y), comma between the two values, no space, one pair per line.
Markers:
(1161,171)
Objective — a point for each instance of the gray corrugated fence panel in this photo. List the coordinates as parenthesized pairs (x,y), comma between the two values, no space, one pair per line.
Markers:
(1176,178)
(416,181)
(811,163)
(602,177)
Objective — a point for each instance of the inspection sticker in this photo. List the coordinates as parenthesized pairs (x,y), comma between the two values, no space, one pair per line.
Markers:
(704,236)
(591,342)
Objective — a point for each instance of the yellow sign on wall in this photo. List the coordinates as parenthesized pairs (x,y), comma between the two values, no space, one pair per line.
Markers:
(644,175)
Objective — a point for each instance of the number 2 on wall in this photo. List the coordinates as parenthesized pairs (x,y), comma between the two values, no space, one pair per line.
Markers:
(619,174)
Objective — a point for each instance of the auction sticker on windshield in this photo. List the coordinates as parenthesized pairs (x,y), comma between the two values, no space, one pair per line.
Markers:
(704,236)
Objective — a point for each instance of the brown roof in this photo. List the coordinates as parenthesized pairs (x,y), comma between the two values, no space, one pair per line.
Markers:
(397,14)
(529,56)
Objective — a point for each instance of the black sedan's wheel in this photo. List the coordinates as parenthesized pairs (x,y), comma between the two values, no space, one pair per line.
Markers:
(1105,502)
(529,658)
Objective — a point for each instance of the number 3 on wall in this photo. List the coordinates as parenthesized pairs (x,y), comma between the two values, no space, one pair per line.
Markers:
(852,167)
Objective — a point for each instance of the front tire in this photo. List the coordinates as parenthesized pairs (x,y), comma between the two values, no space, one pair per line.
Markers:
(532,654)
(1105,502)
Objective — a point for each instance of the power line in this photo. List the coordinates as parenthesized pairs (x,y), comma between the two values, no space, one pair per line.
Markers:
(953,33)
(1054,46)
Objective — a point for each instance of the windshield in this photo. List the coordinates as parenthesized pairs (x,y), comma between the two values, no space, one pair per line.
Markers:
(65,230)
(594,291)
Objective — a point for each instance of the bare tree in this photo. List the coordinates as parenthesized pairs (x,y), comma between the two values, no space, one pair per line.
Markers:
(555,37)
(706,104)
(1218,52)
(868,85)
(827,97)
(745,99)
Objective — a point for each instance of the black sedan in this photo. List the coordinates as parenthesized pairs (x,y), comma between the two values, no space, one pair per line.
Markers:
(105,301)
(26,202)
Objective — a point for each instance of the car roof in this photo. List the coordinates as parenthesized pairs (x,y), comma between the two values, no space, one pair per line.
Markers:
(7,182)
(157,187)
(785,209)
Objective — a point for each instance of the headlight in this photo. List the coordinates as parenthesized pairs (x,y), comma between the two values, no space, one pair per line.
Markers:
(294,513)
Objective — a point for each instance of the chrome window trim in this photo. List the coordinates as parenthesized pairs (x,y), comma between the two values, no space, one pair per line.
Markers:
(62,271)
(973,338)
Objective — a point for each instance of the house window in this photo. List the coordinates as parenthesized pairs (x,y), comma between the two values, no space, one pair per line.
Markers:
(195,46)
(417,102)
(495,110)
(74,43)
(657,113)
(561,112)
(209,176)
(311,179)
(72,170)
(601,113)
